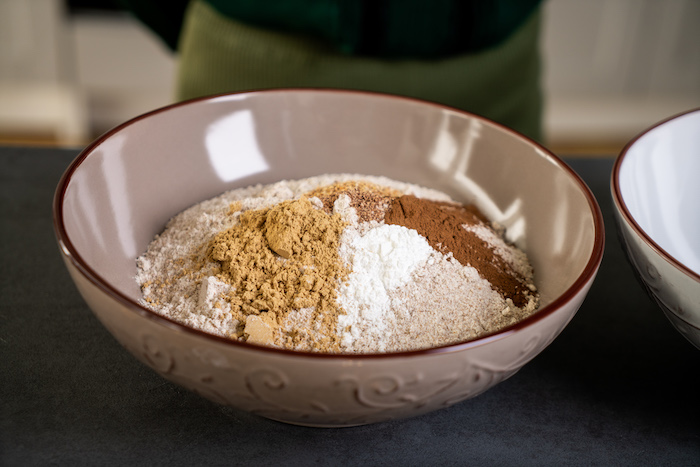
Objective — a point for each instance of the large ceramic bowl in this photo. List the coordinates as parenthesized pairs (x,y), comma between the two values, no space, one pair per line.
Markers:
(657,205)
(121,190)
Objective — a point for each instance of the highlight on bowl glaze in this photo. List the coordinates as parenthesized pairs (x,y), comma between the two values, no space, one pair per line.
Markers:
(122,189)
(656,192)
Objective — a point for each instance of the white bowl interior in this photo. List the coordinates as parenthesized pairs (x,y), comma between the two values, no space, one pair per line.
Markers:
(658,182)
(129,183)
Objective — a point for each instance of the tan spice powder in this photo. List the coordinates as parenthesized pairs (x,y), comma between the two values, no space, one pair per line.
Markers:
(283,258)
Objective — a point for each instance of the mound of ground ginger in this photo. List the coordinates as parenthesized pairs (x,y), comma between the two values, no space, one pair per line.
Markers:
(337,264)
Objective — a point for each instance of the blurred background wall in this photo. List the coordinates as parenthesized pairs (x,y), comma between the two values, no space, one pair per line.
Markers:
(72,69)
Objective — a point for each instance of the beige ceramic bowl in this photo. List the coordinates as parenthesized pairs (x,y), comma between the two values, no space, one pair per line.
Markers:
(657,206)
(121,190)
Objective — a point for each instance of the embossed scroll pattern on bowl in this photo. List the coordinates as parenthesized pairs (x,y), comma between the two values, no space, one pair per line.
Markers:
(347,398)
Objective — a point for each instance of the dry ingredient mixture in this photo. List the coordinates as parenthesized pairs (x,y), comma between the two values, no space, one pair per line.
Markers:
(337,264)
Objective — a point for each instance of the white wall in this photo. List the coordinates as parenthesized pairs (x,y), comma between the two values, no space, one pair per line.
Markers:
(123,68)
(70,77)
(38,92)
(615,67)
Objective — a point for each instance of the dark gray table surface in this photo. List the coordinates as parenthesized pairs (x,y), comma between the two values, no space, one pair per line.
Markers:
(618,387)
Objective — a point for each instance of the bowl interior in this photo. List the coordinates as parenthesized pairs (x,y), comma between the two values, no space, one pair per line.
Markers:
(658,183)
(122,189)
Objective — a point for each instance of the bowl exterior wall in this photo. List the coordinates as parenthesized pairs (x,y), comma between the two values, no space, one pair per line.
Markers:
(676,293)
(321,391)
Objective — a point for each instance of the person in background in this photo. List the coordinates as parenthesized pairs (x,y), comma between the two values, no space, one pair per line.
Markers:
(481,56)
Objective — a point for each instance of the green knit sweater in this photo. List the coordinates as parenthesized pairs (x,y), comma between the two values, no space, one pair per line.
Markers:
(477,55)
(399,29)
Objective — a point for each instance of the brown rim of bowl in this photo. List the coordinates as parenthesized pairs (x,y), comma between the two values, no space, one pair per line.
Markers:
(622,206)
(69,250)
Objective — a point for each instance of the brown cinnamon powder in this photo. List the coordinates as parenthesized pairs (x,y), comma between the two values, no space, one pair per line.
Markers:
(441,224)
